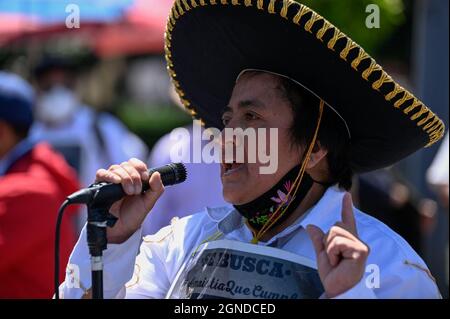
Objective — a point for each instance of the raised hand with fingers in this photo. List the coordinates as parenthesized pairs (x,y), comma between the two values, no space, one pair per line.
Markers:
(341,255)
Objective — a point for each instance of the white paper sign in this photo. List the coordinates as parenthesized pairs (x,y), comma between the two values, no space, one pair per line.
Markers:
(235,270)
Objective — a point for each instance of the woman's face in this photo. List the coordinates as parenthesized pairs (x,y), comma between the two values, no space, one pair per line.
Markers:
(258,102)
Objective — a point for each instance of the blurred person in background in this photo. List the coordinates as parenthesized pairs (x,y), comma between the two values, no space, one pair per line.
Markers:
(387,196)
(186,198)
(87,139)
(438,179)
(34,181)
(437,174)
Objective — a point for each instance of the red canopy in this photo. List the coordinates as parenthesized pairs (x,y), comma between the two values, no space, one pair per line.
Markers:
(139,30)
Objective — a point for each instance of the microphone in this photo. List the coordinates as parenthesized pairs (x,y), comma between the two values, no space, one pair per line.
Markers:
(171,174)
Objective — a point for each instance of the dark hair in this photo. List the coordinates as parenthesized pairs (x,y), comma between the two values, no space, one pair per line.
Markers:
(20,130)
(332,133)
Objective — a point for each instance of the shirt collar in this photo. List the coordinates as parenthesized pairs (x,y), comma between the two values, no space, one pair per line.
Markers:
(19,150)
(327,211)
(324,214)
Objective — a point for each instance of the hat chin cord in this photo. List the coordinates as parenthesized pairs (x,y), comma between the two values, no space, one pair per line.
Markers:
(275,216)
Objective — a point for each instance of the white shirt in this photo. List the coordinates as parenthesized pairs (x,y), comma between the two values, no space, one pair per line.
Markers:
(402,273)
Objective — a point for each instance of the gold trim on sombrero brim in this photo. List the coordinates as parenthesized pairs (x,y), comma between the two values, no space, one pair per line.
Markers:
(399,97)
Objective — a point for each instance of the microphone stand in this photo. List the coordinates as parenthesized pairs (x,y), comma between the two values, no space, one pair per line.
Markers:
(98,219)
(99,198)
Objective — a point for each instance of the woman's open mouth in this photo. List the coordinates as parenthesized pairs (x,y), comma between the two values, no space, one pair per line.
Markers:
(231,168)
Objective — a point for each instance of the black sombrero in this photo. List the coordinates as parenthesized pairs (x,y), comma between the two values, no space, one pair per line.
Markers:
(210,42)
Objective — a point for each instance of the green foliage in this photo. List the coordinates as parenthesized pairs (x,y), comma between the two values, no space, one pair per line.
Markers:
(350,17)
(151,122)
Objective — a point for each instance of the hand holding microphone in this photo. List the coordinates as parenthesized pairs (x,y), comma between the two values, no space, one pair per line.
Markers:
(128,191)
(132,209)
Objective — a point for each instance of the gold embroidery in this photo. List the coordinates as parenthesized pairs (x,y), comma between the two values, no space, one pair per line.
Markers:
(385,78)
(432,141)
(168,56)
(439,133)
(361,56)
(271,7)
(391,95)
(186,6)
(180,9)
(326,26)
(172,73)
(435,136)
(430,124)
(435,119)
(433,128)
(168,35)
(171,20)
(260,4)
(422,111)
(176,83)
(303,10)
(175,12)
(350,45)
(169,61)
(172,17)
(284,10)
(424,269)
(337,35)
(185,102)
(424,120)
(400,102)
(311,21)
(415,104)
(440,129)
(435,139)
(180,93)
(372,68)
(159,237)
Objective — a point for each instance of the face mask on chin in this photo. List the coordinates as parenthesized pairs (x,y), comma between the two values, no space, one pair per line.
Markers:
(259,211)
(56,106)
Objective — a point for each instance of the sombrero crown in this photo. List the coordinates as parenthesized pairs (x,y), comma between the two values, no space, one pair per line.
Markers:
(209,42)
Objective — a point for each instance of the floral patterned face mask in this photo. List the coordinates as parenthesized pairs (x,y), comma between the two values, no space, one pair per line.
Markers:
(260,210)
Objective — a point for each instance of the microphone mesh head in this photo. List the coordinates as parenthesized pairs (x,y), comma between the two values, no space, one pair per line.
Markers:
(171,174)
(180,172)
